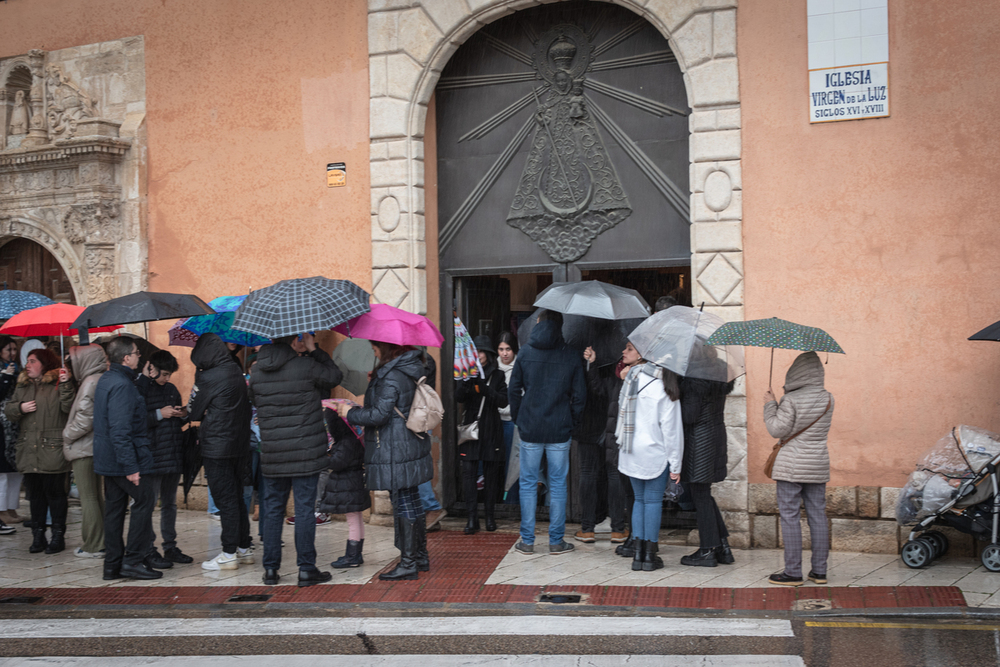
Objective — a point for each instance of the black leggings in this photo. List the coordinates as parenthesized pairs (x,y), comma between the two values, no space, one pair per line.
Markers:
(711,527)
(48,493)
(491,483)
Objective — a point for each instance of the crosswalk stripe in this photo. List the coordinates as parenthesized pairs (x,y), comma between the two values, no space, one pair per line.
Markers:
(410,660)
(401,626)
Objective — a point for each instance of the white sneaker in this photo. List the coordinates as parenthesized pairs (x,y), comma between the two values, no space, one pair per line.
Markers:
(80,553)
(223,561)
(603,527)
(245,556)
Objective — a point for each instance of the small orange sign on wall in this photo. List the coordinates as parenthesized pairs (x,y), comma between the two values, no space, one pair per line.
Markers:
(336,175)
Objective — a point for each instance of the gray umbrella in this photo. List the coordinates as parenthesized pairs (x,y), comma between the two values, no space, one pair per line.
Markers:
(593,298)
(355,359)
(300,305)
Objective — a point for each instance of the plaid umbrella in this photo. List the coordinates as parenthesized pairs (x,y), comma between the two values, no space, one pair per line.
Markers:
(773,332)
(466,355)
(13,301)
(300,305)
(221,324)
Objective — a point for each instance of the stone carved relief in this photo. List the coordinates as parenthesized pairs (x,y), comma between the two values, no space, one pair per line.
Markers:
(66,103)
(93,223)
(99,261)
(21,118)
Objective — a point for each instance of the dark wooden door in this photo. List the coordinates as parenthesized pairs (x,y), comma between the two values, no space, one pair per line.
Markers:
(27,266)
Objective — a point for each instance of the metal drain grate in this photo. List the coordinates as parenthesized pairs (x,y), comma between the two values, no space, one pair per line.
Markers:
(20,600)
(560,598)
(249,598)
(812,604)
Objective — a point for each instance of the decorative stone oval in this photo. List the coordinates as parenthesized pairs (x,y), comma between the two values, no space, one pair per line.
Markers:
(388,214)
(718,191)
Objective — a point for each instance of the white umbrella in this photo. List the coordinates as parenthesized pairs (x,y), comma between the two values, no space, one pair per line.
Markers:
(675,339)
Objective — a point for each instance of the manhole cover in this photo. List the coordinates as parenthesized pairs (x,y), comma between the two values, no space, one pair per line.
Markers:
(812,605)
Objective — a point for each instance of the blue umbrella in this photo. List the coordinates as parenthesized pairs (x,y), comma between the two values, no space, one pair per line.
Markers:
(13,301)
(221,324)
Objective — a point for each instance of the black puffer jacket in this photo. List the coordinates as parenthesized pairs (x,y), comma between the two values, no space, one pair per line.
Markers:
(287,391)
(165,434)
(703,408)
(594,419)
(345,487)
(221,404)
(490,446)
(614,388)
(395,457)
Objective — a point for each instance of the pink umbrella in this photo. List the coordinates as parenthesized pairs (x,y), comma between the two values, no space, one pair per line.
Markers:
(181,336)
(392,325)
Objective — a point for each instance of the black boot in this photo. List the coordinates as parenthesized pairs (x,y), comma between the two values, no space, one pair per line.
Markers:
(39,543)
(626,548)
(701,558)
(639,554)
(421,557)
(724,554)
(352,558)
(58,541)
(472,525)
(650,561)
(407,567)
(491,522)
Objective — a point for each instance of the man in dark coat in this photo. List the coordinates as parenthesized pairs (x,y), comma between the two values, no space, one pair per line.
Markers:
(287,391)
(547,393)
(121,455)
(166,414)
(221,405)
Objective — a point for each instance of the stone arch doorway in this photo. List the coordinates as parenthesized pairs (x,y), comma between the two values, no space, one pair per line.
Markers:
(26,265)
(408,49)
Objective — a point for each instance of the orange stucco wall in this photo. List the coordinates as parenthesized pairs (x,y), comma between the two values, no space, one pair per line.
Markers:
(246,103)
(882,232)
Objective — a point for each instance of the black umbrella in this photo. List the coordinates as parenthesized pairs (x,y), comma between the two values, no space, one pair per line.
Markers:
(991,332)
(607,337)
(191,464)
(141,307)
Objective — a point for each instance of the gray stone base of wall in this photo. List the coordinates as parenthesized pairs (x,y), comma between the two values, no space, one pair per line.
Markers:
(861,518)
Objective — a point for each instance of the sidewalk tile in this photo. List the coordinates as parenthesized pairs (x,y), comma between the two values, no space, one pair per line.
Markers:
(779,599)
(716,598)
(749,598)
(685,598)
(877,597)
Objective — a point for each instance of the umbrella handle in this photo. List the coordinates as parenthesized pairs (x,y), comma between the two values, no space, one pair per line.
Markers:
(771,375)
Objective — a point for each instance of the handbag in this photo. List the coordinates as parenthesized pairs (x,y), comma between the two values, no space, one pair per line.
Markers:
(769,466)
(470,431)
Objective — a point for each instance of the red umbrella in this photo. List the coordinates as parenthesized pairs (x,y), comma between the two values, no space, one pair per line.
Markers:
(392,325)
(54,320)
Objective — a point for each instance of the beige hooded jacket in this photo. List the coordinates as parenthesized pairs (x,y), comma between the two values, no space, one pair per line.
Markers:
(804,460)
(89,363)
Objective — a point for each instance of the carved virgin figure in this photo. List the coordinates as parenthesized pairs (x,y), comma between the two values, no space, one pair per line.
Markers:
(20,118)
(569,191)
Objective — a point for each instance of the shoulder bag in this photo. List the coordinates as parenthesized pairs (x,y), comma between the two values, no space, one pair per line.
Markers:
(470,431)
(769,466)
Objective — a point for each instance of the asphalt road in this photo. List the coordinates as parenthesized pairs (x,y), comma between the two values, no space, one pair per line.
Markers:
(418,638)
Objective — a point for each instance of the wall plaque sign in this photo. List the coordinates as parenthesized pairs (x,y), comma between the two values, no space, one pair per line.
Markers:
(849,93)
(336,174)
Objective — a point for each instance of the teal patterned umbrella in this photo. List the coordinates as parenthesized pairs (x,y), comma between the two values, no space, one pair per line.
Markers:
(772,333)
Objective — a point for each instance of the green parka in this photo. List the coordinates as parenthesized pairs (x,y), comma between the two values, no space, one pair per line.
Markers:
(40,443)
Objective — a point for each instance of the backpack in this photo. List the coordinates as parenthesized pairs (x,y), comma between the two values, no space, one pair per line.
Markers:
(426,411)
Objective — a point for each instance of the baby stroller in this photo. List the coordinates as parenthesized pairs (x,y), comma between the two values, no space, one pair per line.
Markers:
(955,485)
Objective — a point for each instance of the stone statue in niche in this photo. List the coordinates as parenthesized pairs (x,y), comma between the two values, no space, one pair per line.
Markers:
(67,104)
(20,119)
(569,191)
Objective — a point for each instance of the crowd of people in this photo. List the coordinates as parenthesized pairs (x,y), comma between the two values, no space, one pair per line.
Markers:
(641,430)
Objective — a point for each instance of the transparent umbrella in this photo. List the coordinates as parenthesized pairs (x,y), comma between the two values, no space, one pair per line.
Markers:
(675,339)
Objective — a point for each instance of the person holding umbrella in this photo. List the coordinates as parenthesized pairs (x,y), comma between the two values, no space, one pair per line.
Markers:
(483,398)
(40,405)
(396,459)
(802,467)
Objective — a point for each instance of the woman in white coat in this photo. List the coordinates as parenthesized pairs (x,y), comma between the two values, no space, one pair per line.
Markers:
(650,435)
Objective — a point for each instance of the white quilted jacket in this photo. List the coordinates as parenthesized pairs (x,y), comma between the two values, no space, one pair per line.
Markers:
(804,460)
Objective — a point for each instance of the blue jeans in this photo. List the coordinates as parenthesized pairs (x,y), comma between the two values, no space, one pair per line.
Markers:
(557,458)
(648,508)
(427,497)
(273,519)
(212,509)
(513,494)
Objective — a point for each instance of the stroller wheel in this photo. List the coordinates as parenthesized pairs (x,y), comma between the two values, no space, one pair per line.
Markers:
(991,557)
(939,540)
(918,554)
